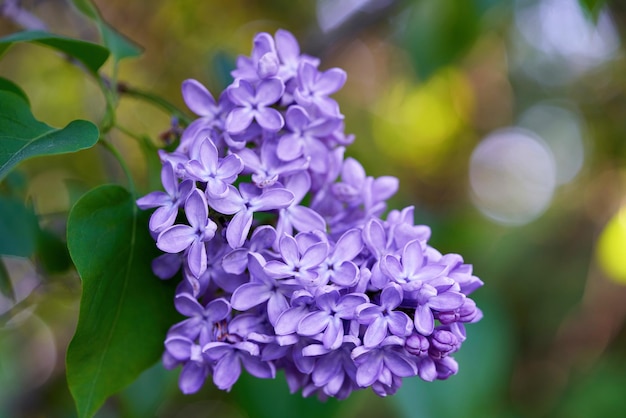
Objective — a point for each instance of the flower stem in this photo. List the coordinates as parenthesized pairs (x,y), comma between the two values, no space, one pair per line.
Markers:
(155,100)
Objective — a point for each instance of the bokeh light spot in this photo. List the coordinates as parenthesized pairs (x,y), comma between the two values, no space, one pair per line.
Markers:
(567,42)
(512,176)
(418,124)
(611,251)
(562,131)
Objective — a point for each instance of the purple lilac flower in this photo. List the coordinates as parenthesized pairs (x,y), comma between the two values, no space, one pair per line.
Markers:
(315,87)
(253,104)
(228,359)
(302,218)
(195,369)
(216,172)
(383,319)
(383,362)
(265,166)
(243,203)
(191,238)
(306,137)
(328,320)
(168,202)
(202,319)
(297,261)
(262,289)
(287,263)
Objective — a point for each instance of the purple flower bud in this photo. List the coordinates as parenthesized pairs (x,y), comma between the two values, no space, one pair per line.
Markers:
(417,344)
(442,343)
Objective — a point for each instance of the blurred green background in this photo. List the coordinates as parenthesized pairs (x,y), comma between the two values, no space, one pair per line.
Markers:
(505,121)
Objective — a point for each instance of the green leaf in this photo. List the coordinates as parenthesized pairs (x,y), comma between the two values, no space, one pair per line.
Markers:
(18,228)
(592,7)
(90,54)
(125,310)
(6,287)
(440,32)
(119,45)
(22,136)
(52,252)
(8,85)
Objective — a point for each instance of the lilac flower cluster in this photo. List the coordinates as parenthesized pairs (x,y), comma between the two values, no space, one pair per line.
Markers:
(286,261)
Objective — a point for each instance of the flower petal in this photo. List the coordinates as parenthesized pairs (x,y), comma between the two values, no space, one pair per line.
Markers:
(447,301)
(197,98)
(179,348)
(192,377)
(314,256)
(399,323)
(259,368)
(197,258)
(348,246)
(176,238)
(230,204)
(227,371)
(399,364)
(412,257)
(370,369)
(330,81)
(273,199)
(163,217)
(276,305)
(269,91)
(241,93)
(217,310)
(239,119)
(250,295)
(238,228)
(313,323)
(188,305)
(333,335)
(424,320)
(305,219)
(287,322)
(376,332)
(196,210)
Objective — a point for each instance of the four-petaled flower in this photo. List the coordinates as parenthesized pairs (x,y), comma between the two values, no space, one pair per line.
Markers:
(254,104)
(191,237)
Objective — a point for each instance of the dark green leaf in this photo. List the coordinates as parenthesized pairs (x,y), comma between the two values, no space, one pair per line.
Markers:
(90,54)
(22,136)
(592,7)
(15,184)
(52,252)
(6,287)
(118,44)
(125,310)
(18,228)
(8,85)
(439,32)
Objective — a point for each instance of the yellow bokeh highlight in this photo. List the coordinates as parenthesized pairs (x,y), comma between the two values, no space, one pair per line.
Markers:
(418,123)
(611,250)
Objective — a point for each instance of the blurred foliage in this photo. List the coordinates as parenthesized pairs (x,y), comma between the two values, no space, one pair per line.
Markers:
(427,80)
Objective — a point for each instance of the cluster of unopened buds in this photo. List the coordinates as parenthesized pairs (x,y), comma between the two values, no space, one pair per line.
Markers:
(286,262)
